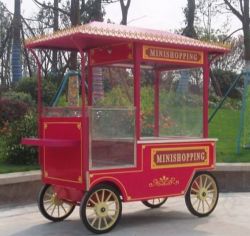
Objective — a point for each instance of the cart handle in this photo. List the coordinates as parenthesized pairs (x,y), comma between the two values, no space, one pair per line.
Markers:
(50,142)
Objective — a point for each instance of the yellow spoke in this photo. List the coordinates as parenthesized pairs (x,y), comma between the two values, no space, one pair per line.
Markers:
(49,206)
(109,196)
(103,192)
(114,210)
(91,200)
(199,205)
(92,214)
(209,184)
(195,190)
(195,182)
(205,183)
(111,203)
(58,211)
(203,207)
(99,223)
(53,210)
(64,209)
(207,203)
(47,201)
(194,195)
(94,220)
(195,202)
(48,194)
(105,221)
(210,197)
(201,185)
(97,197)
(111,217)
(211,191)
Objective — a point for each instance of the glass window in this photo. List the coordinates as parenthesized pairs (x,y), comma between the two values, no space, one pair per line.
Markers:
(147,102)
(112,119)
(66,101)
(181,103)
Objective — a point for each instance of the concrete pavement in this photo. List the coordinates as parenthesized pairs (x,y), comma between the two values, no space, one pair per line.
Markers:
(231,217)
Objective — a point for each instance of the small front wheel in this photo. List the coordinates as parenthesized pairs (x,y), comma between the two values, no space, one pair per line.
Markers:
(51,206)
(101,209)
(155,202)
(202,195)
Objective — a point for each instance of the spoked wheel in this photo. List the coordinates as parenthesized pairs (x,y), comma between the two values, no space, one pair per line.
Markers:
(202,195)
(51,206)
(101,209)
(155,202)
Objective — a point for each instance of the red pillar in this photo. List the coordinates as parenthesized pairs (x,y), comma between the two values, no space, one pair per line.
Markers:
(90,80)
(39,99)
(137,85)
(206,68)
(84,126)
(156,103)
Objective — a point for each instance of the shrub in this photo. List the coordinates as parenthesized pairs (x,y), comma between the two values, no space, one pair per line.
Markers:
(11,110)
(15,153)
(29,85)
(19,96)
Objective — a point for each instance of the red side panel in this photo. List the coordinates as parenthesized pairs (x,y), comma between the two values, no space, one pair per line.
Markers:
(163,170)
(62,165)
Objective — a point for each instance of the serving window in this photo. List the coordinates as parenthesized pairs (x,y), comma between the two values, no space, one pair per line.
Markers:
(112,118)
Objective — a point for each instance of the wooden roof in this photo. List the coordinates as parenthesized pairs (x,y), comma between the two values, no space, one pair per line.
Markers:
(97,34)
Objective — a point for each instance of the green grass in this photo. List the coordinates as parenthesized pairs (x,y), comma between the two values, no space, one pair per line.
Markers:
(225,127)
(7,168)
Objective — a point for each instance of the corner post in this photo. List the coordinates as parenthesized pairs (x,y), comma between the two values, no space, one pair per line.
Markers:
(206,69)
(137,89)
(39,97)
(156,102)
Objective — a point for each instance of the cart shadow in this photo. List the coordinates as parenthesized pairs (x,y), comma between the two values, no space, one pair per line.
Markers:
(141,222)
(161,221)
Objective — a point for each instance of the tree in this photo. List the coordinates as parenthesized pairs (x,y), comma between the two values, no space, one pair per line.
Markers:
(75,20)
(16,45)
(240,8)
(189,12)
(5,46)
(124,8)
(55,28)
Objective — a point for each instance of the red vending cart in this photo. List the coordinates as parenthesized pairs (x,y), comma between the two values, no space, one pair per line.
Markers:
(132,125)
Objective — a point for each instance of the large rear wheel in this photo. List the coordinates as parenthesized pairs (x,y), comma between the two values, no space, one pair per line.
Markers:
(51,206)
(202,195)
(101,209)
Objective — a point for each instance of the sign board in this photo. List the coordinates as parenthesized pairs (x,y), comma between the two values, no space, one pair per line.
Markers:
(111,54)
(179,157)
(172,55)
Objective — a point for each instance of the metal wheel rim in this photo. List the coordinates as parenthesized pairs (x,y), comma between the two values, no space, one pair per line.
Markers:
(54,206)
(156,201)
(203,194)
(102,209)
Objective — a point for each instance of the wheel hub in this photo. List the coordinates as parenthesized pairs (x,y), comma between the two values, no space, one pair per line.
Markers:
(55,200)
(101,209)
(202,194)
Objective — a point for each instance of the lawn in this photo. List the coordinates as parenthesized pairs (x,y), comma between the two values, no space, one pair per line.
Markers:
(225,127)
(7,168)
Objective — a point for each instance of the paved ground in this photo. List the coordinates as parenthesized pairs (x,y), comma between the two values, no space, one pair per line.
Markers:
(231,217)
